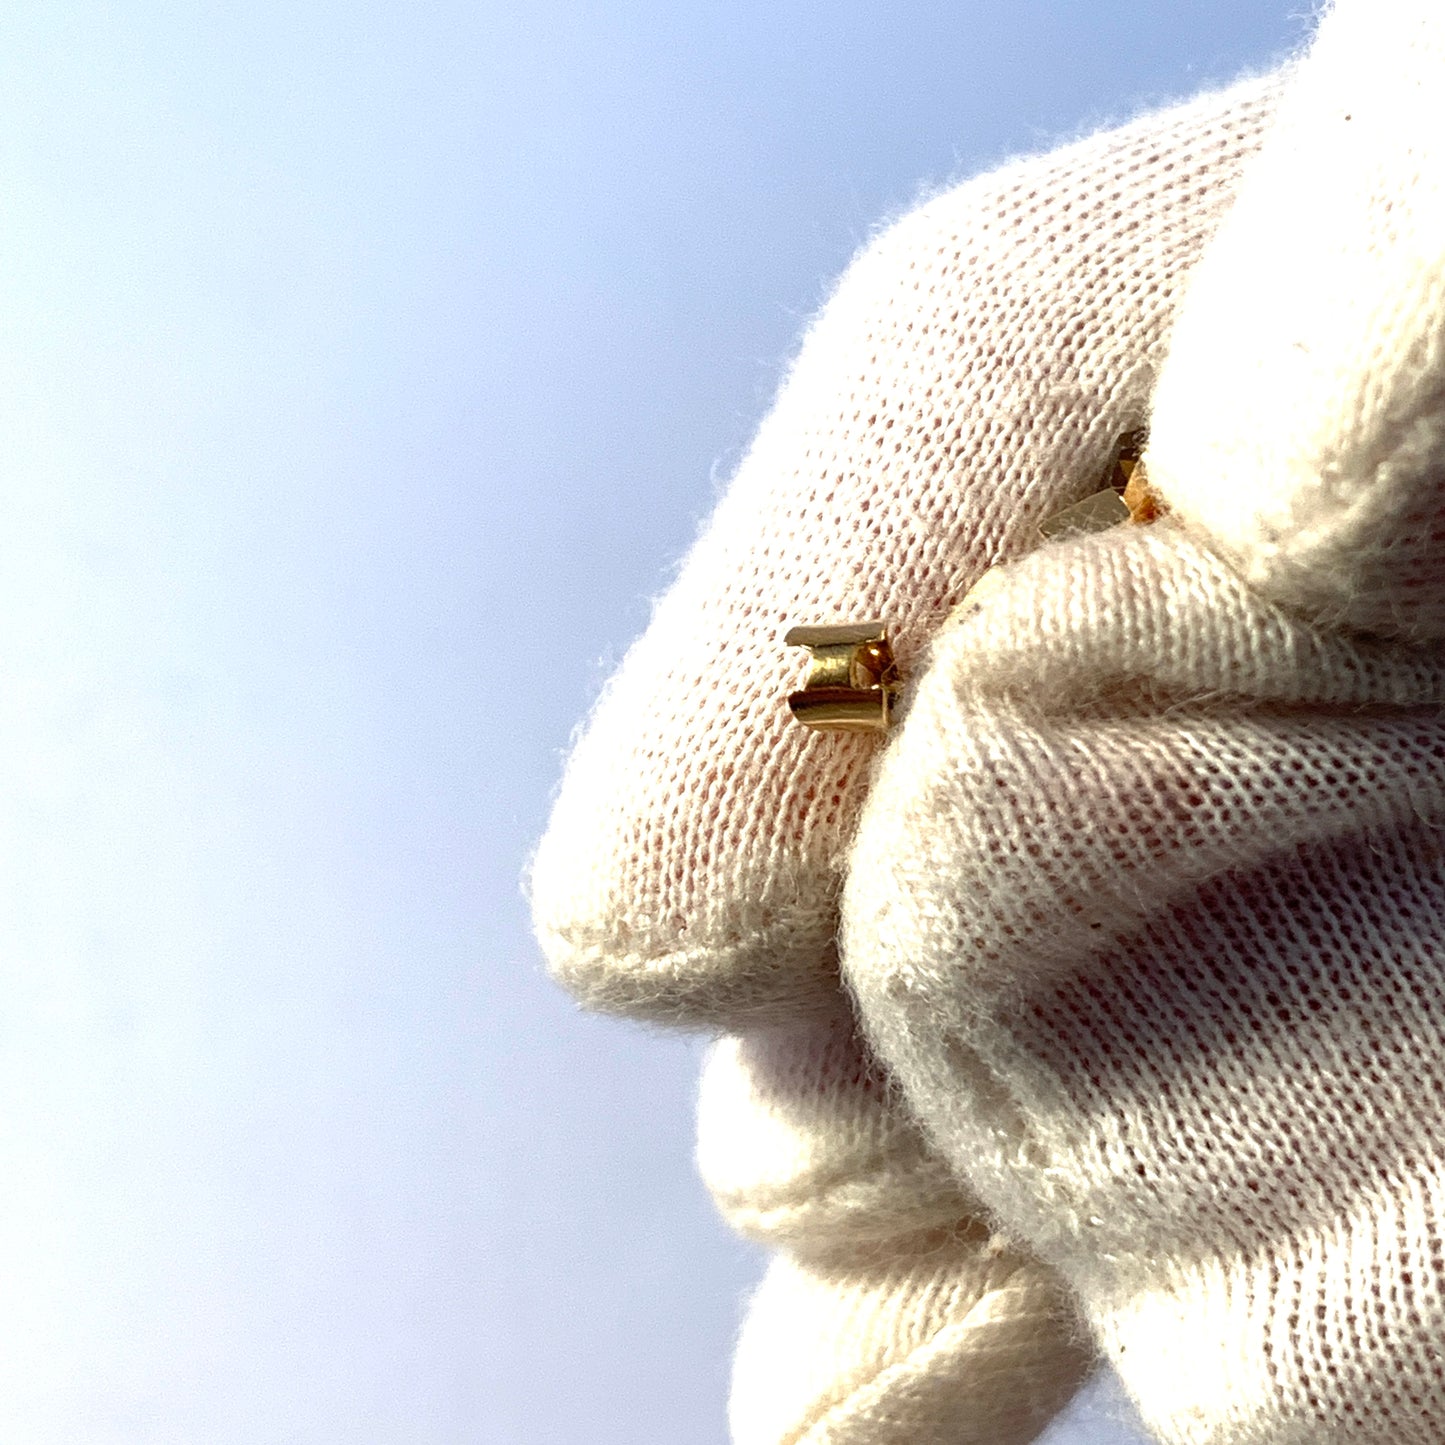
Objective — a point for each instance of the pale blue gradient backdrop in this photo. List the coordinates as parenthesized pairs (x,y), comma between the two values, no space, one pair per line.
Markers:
(364,368)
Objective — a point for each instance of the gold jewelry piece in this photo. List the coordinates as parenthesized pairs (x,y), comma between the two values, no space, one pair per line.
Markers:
(1096,513)
(853,680)
(1126,498)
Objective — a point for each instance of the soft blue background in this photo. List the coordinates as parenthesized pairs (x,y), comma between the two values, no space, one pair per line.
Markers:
(363,369)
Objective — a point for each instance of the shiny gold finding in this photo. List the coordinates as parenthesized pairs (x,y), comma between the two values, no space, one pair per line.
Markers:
(853,679)
(1127,497)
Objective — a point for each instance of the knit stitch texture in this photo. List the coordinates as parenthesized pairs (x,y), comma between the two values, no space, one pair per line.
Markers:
(1146,911)
(969,377)
(1150,930)
(893,1315)
(1300,423)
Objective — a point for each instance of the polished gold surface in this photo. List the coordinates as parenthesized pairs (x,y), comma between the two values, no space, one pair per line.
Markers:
(1127,497)
(852,681)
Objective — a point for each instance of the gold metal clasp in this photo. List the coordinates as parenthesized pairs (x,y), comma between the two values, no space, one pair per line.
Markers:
(1126,497)
(853,680)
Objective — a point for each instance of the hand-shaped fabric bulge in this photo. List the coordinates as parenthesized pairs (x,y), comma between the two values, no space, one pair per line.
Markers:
(892,1315)
(969,377)
(1147,909)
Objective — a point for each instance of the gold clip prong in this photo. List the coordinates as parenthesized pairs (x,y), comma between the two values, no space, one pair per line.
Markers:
(852,681)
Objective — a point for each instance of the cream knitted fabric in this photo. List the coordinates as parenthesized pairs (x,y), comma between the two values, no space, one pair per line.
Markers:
(1301,420)
(969,377)
(803,1146)
(1147,907)
(950,1341)
(1151,929)
(895,1317)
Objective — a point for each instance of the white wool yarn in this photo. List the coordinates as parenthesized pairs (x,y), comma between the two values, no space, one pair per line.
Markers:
(1300,423)
(969,377)
(949,1340)
(893,1316)
(1150,929)
(1147,907)
(804,1146)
